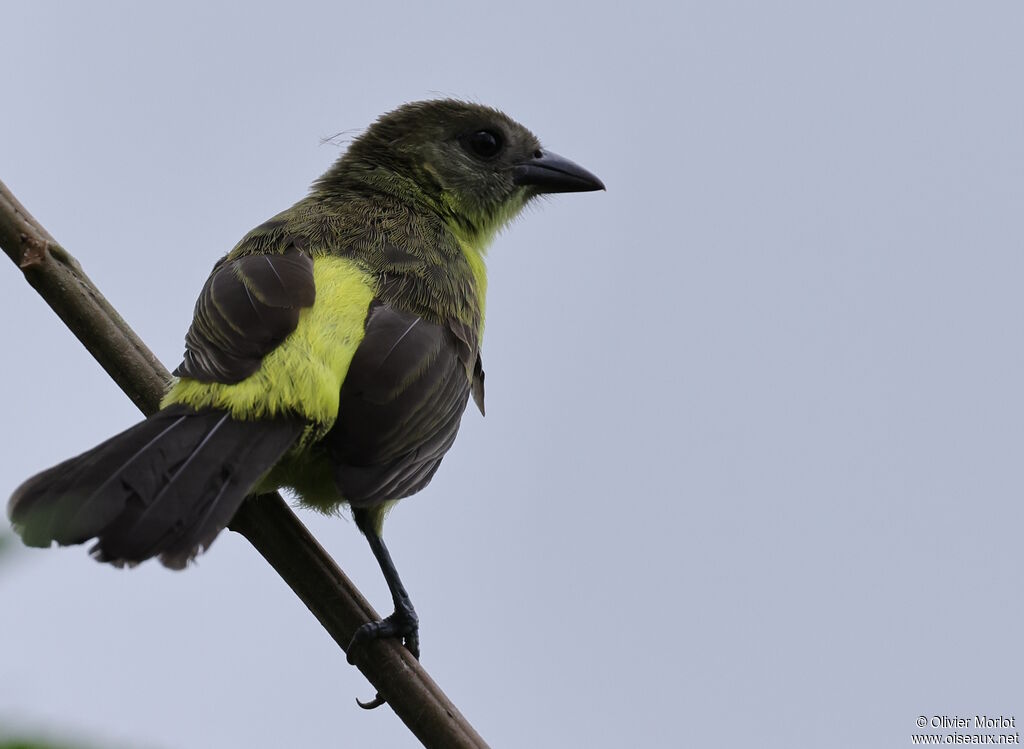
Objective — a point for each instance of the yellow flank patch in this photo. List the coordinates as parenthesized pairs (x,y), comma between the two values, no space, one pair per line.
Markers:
(303,375)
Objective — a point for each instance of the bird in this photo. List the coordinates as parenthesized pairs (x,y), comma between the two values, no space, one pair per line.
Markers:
(332,352)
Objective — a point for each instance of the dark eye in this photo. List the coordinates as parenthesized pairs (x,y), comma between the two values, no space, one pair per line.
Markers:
(484,144)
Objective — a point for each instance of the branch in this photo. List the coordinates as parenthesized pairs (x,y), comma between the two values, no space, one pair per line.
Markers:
(266,521)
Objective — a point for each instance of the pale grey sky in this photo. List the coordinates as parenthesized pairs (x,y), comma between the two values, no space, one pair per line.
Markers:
(751,471)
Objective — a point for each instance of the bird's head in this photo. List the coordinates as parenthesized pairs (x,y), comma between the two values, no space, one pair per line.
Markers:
(476,164)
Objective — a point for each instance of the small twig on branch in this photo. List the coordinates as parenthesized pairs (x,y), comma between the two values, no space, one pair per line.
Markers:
(266,521)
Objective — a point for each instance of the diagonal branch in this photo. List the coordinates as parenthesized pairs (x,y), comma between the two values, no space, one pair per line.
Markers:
(266,521)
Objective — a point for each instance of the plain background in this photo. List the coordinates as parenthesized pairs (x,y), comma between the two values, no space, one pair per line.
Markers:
(751,468)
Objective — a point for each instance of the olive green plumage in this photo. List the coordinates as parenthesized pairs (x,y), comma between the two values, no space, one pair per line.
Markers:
(333,350)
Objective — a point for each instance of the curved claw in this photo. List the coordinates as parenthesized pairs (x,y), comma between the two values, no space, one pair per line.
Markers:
(372,704)
(404,627)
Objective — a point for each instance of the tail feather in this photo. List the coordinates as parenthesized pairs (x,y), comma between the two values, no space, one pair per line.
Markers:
(165,487)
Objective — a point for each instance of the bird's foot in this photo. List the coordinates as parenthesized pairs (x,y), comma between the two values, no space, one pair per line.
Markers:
(402,624)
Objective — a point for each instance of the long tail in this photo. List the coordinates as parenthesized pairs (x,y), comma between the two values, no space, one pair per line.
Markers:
(165,487)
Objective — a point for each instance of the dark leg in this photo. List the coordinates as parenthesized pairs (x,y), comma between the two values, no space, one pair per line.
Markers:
(403,622)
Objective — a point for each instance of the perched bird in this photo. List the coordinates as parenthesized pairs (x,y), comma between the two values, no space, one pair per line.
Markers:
(333,351)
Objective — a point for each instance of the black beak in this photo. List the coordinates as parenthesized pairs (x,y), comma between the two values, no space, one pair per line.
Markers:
(549,172)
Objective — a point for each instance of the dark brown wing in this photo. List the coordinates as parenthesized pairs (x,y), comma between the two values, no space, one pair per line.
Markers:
(401,404)
(248,306)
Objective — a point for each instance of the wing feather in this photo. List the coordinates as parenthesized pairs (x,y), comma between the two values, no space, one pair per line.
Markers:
(247,307)
(400,408)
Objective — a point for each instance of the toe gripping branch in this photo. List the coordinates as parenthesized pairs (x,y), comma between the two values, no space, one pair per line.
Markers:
(403,623)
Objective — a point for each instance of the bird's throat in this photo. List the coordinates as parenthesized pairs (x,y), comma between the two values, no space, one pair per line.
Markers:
(475,259)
